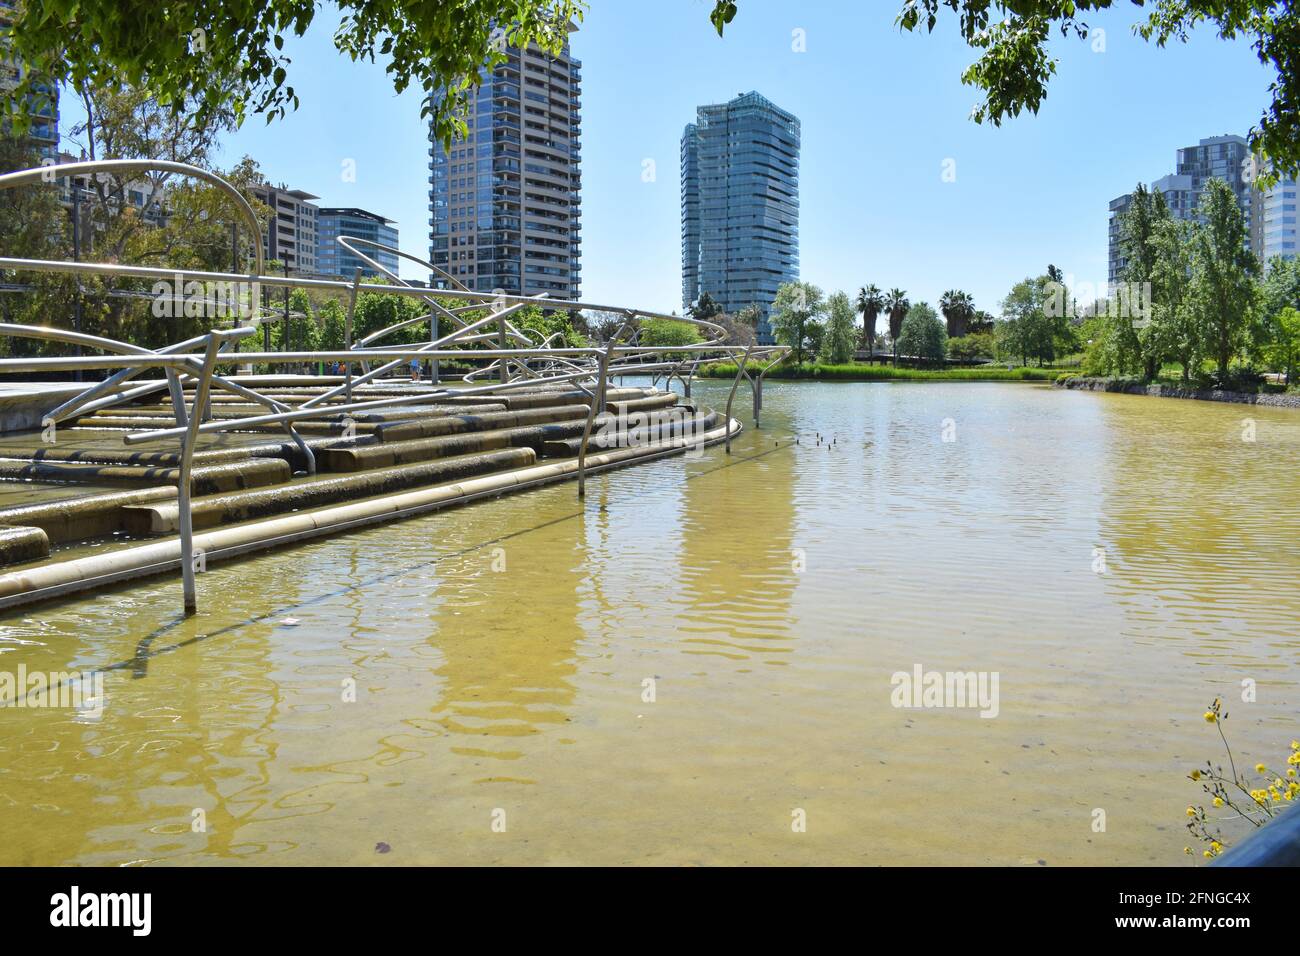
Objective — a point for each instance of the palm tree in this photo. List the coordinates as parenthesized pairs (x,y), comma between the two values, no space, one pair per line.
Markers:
(957,307)
(896,305)
(870,303)
(979,321)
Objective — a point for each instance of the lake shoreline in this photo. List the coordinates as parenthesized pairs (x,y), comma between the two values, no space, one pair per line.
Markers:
(1157,390)
(888,373)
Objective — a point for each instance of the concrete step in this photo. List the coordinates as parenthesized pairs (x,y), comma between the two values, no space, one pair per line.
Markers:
(459,424)
(631,432)
(80,519)
(18,545)
(161,517)
(207,479)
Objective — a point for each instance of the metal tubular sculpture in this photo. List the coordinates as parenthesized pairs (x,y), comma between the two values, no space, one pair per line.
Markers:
(519,359)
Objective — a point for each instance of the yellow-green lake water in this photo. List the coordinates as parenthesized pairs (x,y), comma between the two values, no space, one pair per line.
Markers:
(502,655)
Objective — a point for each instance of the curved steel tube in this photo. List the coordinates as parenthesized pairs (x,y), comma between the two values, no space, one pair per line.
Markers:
(538,359)
(60,170)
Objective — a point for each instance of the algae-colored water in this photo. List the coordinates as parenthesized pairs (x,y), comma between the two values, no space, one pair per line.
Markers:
(503,655)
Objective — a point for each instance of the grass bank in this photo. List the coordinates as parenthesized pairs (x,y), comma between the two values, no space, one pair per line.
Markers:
(887,373)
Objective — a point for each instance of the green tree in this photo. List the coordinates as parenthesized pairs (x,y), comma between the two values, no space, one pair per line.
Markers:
(837,343)
(545,324)
(972,345)
(1281,286)
(1027,329)
(1015,65)
(980,321)
(896,305)
(1283,349)
(1223,273)
(1123,341)
(1174,330)
(34,226)
(958,308)
(379,310)
(1145,218)
(333,325)
(125,122)
(666,332)
(796,305)
(230,56)
(704,308)
(871,302)
(923,334)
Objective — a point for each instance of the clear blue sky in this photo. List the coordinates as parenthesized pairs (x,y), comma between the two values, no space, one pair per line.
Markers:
(881,112)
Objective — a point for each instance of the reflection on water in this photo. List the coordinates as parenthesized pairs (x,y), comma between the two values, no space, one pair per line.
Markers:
(668,673)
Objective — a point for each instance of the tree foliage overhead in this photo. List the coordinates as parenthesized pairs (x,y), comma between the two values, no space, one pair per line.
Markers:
(1015,65)
(231,55)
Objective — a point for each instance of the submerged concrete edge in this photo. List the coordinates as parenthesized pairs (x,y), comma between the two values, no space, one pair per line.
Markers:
(51,581)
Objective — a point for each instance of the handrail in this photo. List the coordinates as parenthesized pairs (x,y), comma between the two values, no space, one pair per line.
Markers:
(1276,843)
(596,407)
(61,170)
(740,370)
(536,361)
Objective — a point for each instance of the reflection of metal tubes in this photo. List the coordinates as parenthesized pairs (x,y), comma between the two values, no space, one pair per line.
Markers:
(596,403)
(522,358)
(736,381)
(184,517)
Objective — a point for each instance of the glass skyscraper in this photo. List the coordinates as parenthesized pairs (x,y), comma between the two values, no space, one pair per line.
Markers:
(504,203)
(1217,157)
(740,205)
(1274,230)
(333,259)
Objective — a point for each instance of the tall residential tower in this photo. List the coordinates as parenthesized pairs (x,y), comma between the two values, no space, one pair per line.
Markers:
(740,205)
(1273,222)
(1218,157)
(504,203)
(336,221)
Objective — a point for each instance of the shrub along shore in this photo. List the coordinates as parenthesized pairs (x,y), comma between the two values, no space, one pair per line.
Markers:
(1129,386)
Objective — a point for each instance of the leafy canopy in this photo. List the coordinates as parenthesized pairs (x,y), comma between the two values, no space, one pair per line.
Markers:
(222,55)
(794,317)
(1015,66)
(923,334)
(836,347)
